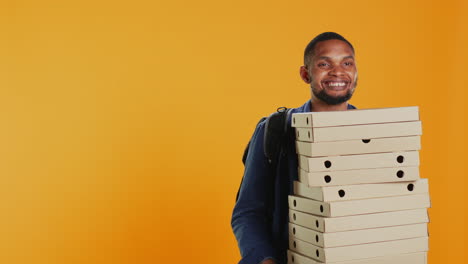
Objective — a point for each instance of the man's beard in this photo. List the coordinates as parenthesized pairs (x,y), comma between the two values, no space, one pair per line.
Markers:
(332,100)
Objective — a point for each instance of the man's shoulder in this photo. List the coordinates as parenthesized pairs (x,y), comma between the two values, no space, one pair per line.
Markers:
(301,109)
(262,121)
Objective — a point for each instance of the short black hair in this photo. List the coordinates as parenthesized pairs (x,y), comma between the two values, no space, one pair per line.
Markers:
(309,50)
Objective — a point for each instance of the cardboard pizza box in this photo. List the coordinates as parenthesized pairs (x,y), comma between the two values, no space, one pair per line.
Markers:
(358,146)
(361,161)
(410,258)
(362,251)
(324,134)
(360,176)
(355,117)
(356,237)
(360,191)
(358,207)
(356,222)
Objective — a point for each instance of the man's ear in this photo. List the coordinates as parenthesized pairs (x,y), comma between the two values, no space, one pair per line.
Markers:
(304,74)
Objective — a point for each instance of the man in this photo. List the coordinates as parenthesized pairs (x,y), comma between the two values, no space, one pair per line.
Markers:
(260,216)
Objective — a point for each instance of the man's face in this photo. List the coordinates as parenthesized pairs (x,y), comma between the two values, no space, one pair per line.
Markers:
(332,72)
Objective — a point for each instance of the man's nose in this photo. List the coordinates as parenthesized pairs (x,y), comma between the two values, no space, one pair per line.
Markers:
(337,71)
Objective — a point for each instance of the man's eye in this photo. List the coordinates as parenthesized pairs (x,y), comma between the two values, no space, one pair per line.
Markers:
(348,63)
(322,64)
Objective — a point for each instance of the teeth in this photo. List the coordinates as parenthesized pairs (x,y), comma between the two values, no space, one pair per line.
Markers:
(336,84)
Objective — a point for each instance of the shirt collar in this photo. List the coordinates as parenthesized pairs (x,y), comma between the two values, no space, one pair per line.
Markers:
(307,106)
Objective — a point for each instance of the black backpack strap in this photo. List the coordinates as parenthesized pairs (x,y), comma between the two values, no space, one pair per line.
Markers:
(276,128)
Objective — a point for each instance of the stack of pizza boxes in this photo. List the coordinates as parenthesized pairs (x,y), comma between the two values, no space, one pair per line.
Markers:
(359,198)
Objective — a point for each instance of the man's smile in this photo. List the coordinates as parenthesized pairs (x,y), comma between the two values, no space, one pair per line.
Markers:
(335,85)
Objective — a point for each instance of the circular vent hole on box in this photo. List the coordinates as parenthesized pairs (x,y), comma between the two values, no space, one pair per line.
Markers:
(321,208)
(327,178)
(292,258)
(308,134)
(294,244)
(400,159)
(294,203)
(366,140)
(294,120)
(307,120)
(297,134)
(316,238)
(327,164)
(341,193)
(294,230)
(317,253)
(316,223)
(410,187)
(294,216)
(400,174)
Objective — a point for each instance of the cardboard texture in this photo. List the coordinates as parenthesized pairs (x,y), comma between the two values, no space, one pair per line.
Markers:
(361,251)
(324,134)
(362,161)
(362,191)
(356,222)
(411,258)
(355,117)
(358,146)
(349,177)
(359,198)
(355,237)
(357,207)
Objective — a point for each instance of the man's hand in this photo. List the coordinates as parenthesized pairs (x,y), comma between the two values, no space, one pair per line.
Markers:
(268,261)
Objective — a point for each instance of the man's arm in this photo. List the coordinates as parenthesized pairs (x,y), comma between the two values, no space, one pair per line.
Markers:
(250,221)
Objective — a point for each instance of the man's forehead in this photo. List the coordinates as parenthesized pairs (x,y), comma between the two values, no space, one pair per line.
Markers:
(335,57)
(333,47)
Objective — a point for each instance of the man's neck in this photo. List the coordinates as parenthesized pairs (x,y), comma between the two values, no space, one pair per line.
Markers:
(318,105)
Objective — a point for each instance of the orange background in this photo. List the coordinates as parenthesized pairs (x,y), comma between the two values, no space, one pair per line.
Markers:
(123,122)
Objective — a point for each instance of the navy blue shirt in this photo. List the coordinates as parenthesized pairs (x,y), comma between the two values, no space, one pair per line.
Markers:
(260,216)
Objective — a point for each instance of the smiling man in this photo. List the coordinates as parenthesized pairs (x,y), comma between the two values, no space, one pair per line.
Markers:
(260,216)
(330,69)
